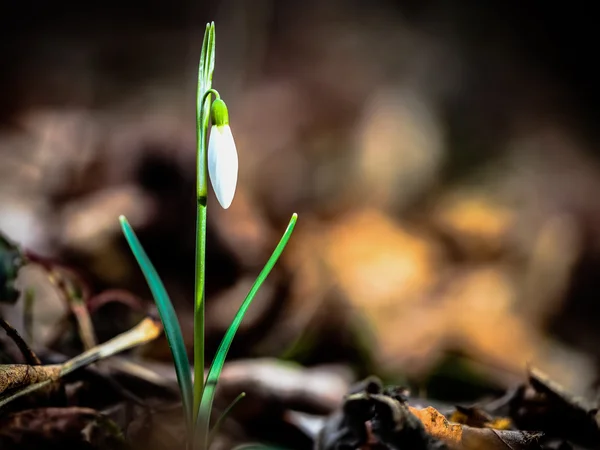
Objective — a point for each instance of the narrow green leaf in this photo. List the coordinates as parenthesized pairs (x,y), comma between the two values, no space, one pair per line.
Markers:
(209,66)
(207,31)
(221,418)
(203,418)
(205,76)
(167,316)
(206,66)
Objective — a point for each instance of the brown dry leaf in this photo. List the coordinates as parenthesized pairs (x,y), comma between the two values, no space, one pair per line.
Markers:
(543,404)
(17,380)
(477,225)
(72,427)
(16,376)
(477,417)
(438,426)
(382,268)
(463,437)
(481,318)
(500,423)
(471,417)
(146,331)
(417,304)
(374,258)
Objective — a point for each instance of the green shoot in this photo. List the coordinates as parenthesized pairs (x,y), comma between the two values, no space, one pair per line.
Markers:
(205,74)
(213,432)
(167,316)
(218,160)
(216,367)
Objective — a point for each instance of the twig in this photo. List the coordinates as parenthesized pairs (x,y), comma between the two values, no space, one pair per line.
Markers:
(30,357)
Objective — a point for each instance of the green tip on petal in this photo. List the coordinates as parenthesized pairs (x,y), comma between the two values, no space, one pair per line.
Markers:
(219,112)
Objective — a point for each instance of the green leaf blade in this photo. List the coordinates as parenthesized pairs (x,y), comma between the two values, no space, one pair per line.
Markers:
(216,367)
(206,70)
(221,419)
(167,316)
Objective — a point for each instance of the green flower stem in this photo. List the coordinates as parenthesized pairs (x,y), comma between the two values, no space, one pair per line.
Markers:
(205,72)
(199,307)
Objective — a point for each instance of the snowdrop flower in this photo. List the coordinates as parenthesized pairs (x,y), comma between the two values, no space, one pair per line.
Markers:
(222,155)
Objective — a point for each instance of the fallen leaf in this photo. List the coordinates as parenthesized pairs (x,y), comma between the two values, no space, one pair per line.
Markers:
(464,437)
(373,417)
(16,376)
(438,426)
(17,380)
(384,269)
(476,225)
(74,427)
(545,405)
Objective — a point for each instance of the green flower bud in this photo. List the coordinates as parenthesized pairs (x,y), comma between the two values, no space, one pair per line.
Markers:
(219,113)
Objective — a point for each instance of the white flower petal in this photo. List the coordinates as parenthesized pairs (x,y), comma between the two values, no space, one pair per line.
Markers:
(222,164)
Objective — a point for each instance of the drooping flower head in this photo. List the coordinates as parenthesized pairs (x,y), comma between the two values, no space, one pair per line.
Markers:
(222,155)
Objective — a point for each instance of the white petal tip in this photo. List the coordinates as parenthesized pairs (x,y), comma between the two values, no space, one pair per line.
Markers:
(225,205)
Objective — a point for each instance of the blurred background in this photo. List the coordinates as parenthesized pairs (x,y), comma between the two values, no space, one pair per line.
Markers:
(441,155)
